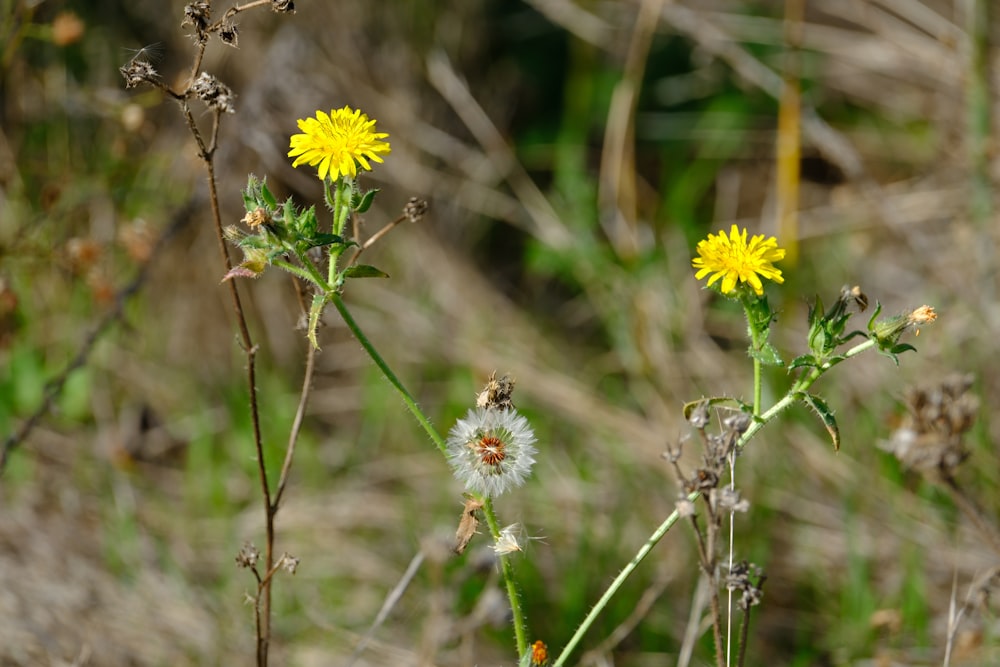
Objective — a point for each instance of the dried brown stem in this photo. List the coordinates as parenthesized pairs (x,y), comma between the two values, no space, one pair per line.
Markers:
(293,436)
(375,237)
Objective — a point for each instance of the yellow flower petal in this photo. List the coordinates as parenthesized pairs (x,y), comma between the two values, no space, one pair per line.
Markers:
(338,142)
(734,260)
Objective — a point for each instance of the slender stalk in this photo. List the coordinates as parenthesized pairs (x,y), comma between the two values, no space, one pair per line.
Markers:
(618,581)
(293,436)
(744,635)
(507,568)
(411,404)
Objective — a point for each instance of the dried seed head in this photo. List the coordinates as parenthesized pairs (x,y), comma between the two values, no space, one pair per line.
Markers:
(727,499)
(136,72)
(929,438)
(229,34)
(213,92)
(853,296)
(248,555)
(738,422)
(283,6)
(198,15)
(415,209)
(699,416)
(497,393)
(742,578)
(256,218)
(288,563)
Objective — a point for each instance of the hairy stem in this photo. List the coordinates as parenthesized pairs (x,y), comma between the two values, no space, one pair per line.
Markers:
(507,568)
(411,404)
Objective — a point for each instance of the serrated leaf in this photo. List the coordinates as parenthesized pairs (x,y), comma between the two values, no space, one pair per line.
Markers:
(819,406)
(363,271)
(713,401)
(365,201)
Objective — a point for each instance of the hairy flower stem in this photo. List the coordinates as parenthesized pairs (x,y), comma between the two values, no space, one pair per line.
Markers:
(758,423)
(520,627)
(517,613)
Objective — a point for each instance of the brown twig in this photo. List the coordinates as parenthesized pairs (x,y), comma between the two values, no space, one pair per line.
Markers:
(293,436)
(375,237)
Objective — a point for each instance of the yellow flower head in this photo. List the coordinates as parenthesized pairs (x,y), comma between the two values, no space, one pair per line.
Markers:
(338,142)
(733,259)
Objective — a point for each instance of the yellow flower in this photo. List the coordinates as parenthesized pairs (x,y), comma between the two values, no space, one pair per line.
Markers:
(338,142)
(733,259)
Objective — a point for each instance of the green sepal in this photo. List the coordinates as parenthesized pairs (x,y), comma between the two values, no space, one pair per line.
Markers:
(894,351)
(363,271)
(362,203)
(319,300)
(875,314)
(823,411)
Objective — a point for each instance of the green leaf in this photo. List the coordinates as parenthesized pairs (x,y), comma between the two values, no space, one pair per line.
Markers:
(365,201)
(767,355)
(324,239)
(268,198)
(363,271)
(803,361)
(307,223)
(295,270)
(824,412)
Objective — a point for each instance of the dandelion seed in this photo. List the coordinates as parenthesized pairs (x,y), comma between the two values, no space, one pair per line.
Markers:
(338,143)
(152,53)
(491,450)
(508,541)
(734,260)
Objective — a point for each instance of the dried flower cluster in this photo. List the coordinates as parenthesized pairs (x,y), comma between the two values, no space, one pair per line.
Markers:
(929,439)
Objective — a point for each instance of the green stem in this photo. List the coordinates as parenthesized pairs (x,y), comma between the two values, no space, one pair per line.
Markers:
(758,423)
(341,205)
(507,567)
(619,580)
(435,437)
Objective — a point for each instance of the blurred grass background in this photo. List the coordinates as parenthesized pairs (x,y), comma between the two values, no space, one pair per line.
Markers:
(564,215)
